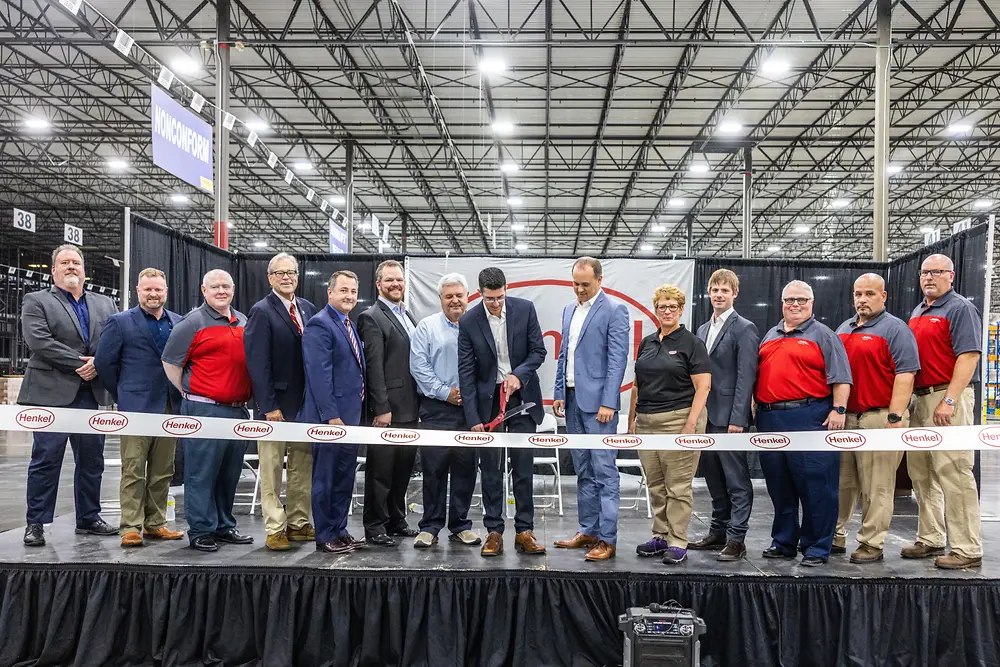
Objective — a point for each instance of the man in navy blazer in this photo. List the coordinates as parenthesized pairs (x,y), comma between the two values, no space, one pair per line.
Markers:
(589,376)
(500,348)
(335,390)
(128,365)
(273,344)
(733,344)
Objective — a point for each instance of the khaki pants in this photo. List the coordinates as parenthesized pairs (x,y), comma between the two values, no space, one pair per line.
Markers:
(669,475)
(147,466)
(298,496)
(873,475)
(944,484)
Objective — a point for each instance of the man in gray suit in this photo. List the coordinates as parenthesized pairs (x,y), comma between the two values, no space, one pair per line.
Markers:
(733,343)
(62,327)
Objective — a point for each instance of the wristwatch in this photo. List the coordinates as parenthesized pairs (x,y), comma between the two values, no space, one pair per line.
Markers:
(841,410)
(893,418)
(949,401)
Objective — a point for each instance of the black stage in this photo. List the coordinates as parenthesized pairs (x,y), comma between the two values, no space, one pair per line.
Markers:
(83,600)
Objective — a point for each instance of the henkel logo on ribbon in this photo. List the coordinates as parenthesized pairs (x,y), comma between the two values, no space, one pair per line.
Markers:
(399,437)
(694,441)
(476,439)
(623,441)
(922,438)
(770,440)
(35,418)
(326,433)
(253,430)
(845,439)
(990,436)
(108,422)
(181,425)
(548,440)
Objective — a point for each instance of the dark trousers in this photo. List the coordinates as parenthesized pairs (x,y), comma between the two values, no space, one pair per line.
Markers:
(334,468)
(727,476)
(809,479)
(438,463)
(47,451)
(522,465)
(387,474)
(211,473)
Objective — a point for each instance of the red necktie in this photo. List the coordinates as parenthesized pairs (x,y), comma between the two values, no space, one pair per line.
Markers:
(295,320)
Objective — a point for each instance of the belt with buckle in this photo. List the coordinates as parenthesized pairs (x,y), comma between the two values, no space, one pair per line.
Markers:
(212,401)
(789,405)
(924,391)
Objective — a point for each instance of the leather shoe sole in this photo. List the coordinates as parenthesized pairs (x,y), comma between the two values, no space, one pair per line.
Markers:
(776,553)
(707,544)
(101,532)
(732,556)
(381,541)
(206,547)
(331,548)
(229,538)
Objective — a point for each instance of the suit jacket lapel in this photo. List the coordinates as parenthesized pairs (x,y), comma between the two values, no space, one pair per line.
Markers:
(61,298)
(347,338)
(388,312)
(140,321)
(278,305)
(484,324)
(598,304)
(722,332)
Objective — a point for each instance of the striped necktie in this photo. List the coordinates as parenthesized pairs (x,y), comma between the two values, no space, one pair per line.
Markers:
(354,341)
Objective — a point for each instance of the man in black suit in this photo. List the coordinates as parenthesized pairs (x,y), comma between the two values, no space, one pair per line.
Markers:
(500,348)
(733,343)
(385,330)
(273,344)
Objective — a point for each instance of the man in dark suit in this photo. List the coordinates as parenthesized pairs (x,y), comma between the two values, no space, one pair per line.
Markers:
(500,348)
(335,390)
(733,343)
(62,327)
(273,344)
(128,365)
(392,400)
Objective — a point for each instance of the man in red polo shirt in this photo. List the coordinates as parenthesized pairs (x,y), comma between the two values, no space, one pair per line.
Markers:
(204,358)
(949,330)
(884,361)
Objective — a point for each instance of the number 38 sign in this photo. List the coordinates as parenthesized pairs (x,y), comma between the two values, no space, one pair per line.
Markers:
(72,234)
(24,220)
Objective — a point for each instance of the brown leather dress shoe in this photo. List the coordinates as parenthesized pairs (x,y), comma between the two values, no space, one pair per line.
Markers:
(164,533)
(603,551)
(132,539)
(954,561)
(578,541)
(921,550)
(709,542)
(493,545)
(526,543)
(733,552)
(278,542)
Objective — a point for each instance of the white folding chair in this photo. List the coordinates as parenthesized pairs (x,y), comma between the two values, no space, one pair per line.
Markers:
(254,501)
(358,497)
(112,505)
(631,464)
(550,425)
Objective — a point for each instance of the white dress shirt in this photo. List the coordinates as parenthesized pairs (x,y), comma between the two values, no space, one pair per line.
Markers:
(498,325)
(288,307)
(575,327)
(716,327)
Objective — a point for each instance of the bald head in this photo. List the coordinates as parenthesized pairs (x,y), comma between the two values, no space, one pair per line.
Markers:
(937,274)
(218,289)
(869,296)
(797,303)
(938,261)
(214,276)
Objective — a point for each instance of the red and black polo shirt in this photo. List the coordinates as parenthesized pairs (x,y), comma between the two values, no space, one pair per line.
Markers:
(945,329)
(210,349)
(801,363)
(878,350)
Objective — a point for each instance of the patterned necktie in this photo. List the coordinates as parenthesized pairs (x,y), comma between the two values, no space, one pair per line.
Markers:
(354,341)
(295,320)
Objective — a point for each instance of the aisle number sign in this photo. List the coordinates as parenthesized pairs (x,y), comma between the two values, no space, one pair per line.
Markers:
(24,220)
(72,235)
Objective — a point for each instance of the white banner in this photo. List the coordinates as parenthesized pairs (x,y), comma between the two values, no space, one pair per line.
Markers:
(67,420)
(548,283)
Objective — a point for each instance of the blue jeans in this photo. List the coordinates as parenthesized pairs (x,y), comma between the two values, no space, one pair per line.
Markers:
(809,479)
(597,479)
(211,473)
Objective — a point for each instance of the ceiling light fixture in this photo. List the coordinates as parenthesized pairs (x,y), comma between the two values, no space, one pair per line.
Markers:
(258,126)
(801,229)
(775,66)
(229,225)
(927,230)
(503,127)
(894,168)
(646,247)
(337,200)
(521,247)
(260,244)
(184,65)
(960,128)
(509,167)
(774,248)
(36,123)
(178,198)
(115,163)
(492,66)
(699,169)
(303,166)
(983,203)
(514,201)
(658,229)
(840,203)
(730,127)
(676,201)
(517,227)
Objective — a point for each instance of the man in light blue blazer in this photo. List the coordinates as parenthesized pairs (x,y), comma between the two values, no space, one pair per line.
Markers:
(592,358)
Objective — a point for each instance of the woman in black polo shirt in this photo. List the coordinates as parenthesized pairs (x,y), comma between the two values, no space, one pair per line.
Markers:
(672,380)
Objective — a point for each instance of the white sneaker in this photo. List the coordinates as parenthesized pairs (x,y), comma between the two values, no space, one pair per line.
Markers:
(467,537)
(424,540)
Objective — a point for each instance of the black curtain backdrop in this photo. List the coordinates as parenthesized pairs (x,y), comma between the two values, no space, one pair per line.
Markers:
(123,615)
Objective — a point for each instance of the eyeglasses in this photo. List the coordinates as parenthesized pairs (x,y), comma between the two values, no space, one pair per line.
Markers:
(493,299)
(937,273)
(285,274)
(667,308)
(796,300)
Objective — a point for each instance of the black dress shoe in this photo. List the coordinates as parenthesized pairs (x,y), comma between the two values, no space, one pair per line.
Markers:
(775,552)
(403,531)
(205,543)
(96,527)
(34,535)
(812,561)
(708,542)
(382,540)
(355,543)
(233,536)
(338,545)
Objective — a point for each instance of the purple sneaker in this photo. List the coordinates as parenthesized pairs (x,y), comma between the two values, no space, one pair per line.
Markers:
(655,547)
(674,556)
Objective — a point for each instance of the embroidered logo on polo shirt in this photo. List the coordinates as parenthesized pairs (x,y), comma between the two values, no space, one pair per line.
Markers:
(935,320)
(803,342)
(867,338)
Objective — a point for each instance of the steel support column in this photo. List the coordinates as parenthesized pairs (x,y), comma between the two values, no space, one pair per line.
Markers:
(221,235)
(880,227)
(747,202)
(349,195)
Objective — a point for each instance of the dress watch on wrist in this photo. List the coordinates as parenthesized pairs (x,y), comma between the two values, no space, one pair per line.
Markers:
(893,418)
(840,409)
(949,401)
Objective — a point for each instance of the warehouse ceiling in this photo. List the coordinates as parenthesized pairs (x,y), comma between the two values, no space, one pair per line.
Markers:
(628,123)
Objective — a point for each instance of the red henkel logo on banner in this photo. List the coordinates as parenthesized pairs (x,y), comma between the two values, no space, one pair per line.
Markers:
(253,430)
(770,440)
(477,439)
(326,433)
(922,438)
(35,418)
(108,422)
(399,437)
(181,425)
(548,440)
(845,439)
(623,441)
(990,436)
(694,441)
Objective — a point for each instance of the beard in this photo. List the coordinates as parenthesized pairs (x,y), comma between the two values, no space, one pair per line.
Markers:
(72,280)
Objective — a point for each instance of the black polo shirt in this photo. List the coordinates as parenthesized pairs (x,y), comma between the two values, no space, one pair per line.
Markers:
(663,369)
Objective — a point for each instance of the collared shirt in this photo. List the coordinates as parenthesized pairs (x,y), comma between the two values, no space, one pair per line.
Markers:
(82,313)
(575,327)
(434,356)
(288,304)
(209,347)
(878,350)
(945,329)
(498,325)
(160,328)
(399,310)
(715,327)
(801,363)
(663,370)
